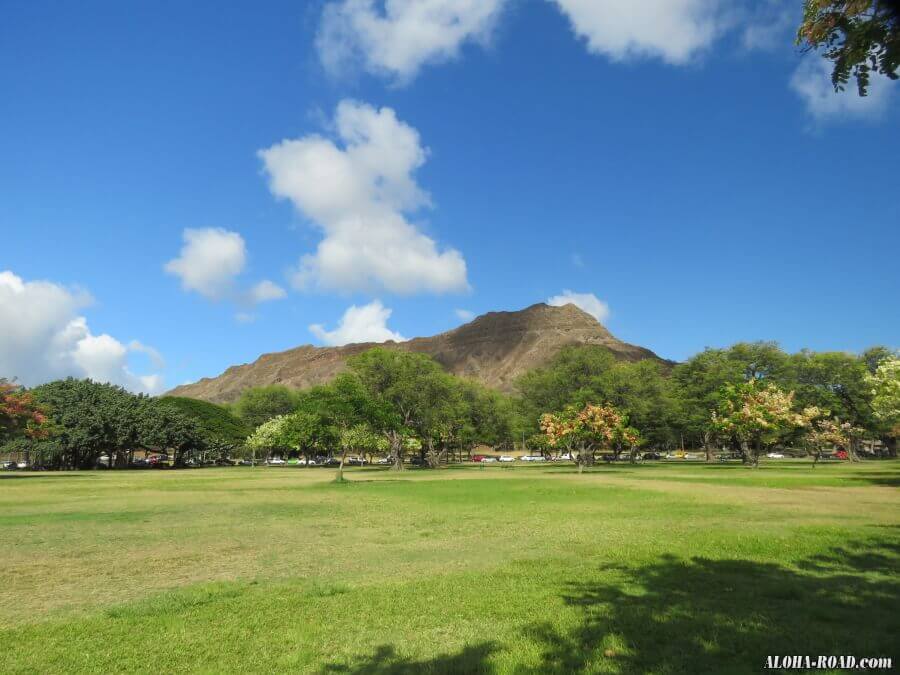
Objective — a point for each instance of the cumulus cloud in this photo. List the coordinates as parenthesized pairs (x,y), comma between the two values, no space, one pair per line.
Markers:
(359,195)
(672,30)
(811,81)
(588,302)
(44,337)
(398,38)
(367,323)
(210,261)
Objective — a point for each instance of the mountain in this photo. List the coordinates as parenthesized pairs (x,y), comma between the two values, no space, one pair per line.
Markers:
(494,348)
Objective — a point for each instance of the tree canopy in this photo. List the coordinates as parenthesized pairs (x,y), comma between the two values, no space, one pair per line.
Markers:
(859,37)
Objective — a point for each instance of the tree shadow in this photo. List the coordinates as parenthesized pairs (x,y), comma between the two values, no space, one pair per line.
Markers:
(882,478)
(726,616)
(386,661)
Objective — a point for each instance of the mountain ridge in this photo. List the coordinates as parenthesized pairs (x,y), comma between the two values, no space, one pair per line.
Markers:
(494,348)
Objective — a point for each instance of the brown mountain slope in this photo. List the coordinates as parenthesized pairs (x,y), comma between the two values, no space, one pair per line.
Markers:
(494,349)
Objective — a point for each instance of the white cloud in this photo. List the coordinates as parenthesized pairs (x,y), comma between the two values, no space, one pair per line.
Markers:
(266,291)
(588,302)
(811,81)
(464,314)
(209,264)
(359,324)
(396,40)
(210,260)
(358,195)
(672,30)
(44,337)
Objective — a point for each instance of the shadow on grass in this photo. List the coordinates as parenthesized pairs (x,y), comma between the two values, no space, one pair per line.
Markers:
(883,478)
(701,615)
(386,661)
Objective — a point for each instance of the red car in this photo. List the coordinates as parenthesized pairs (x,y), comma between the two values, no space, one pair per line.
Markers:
(478,458)
(841,454)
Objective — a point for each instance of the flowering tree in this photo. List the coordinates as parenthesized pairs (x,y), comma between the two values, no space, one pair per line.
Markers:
(19,413)
(592,427)
(267,437)
(756,415)
(885,389)
(820,430)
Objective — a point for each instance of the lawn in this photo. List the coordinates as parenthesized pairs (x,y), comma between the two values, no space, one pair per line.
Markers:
(663,568)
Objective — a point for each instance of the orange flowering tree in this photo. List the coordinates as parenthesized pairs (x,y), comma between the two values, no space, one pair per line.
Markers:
(591,428)
(19,414)
(756,415)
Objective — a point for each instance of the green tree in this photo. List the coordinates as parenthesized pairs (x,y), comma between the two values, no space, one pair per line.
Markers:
(260,404)
(859,37)
(216,422)
(405,394)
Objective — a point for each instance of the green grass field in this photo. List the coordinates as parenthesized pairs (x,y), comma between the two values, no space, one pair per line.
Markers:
(647,569)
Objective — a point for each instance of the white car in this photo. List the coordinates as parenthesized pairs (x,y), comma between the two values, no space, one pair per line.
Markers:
(488,460)
(506,458)
(275,461)
(532,458)
(384,460)
(565,457)
(775,455)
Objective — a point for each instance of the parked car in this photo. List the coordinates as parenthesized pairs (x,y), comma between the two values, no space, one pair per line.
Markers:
(224,461)
(9,466)
(22,465)
(532,458)
(564,457)
(506,458)
(651,455)
(479,458)
(775,455)
(245,462)
(383,460)
(275,461)
(487,459)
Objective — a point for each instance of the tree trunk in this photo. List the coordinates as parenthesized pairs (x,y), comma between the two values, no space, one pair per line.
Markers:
(340,475)
(745,453)
(396,451)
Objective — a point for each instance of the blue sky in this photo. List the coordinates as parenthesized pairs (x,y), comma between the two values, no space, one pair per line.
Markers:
(185,186)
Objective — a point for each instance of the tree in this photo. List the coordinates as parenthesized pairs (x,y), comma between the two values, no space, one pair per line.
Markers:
(267,437)
(260,404)
(818,430)
(90,420)
(217,423)
(697,383)
(859,36)
(591,428)
(362,439)
(885,389)
(19,413)
(404,395)
(756,415)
